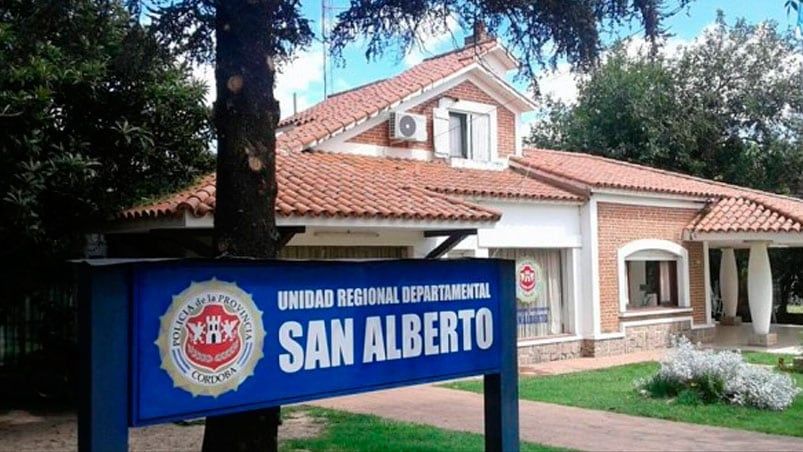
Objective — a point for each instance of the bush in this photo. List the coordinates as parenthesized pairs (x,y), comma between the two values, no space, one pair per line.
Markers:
(694,375)
(762,388)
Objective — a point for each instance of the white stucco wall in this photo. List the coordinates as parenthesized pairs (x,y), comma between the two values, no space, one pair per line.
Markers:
(530,225)
(415,241)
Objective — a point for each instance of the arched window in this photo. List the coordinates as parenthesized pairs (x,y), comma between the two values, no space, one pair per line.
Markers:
(653,273)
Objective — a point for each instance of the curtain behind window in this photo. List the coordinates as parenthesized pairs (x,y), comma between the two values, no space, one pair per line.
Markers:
(544,317)
(481,137)
(665,282)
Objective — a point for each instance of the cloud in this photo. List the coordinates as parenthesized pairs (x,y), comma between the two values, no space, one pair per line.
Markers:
(562,83)
(559,84)
(670,48)
(303,76)
(432,43)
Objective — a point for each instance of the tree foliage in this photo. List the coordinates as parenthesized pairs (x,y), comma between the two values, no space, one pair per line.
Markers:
(727,107)
(247,39)
(539,33)
(96,116)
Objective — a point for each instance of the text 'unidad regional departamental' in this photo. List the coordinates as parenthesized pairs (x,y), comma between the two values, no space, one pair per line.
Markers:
(319,344)
(373,296)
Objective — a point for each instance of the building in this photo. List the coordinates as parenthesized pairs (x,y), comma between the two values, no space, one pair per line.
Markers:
(611,257)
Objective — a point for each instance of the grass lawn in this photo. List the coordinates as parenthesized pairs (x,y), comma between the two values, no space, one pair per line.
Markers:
(769,359)
(612,390)
(356,432)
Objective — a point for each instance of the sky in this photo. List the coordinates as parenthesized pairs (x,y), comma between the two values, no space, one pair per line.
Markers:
(304,75)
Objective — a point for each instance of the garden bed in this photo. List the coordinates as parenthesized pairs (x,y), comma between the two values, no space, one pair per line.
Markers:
(612,390)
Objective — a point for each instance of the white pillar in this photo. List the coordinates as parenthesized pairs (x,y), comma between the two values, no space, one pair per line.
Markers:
(759,287)
(728,283)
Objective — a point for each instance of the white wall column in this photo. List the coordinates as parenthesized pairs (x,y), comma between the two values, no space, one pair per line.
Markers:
(759,287)
(729,283)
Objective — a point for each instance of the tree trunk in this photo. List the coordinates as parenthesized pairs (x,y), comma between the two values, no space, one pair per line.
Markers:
(246,115)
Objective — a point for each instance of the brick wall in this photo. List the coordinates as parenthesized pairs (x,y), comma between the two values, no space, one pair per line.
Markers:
(697,281)
(506,122)
(533,354)
(637,338)
(641,338)
(619,224)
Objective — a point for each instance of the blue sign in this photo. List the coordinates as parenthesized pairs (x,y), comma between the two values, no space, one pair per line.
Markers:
(214,337)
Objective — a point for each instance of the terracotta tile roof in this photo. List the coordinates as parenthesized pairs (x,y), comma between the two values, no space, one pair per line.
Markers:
(440,177)
(742,215)
(198,199)
(345,186)
(599,172)
(344,110)
(753,214)
(316,184)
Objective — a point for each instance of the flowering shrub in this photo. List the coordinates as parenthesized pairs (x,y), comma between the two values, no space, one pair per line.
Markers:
(762,388)
(693,375)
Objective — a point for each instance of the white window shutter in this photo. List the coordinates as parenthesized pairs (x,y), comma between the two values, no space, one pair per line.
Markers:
(481,138)
(440,132)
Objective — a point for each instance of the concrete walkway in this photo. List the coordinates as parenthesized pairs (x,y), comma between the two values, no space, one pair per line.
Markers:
(581,364)
(557,425)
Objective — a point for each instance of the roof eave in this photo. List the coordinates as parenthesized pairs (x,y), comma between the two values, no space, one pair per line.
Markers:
(792,238)
(207,221)
(501,54)
(574,187)
(652,194)
(518,102)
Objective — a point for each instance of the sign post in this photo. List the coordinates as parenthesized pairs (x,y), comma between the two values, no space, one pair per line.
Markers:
(501,389)
(104,344)
(169,340)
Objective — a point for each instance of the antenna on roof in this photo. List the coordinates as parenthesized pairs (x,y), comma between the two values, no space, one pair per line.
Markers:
(324,42)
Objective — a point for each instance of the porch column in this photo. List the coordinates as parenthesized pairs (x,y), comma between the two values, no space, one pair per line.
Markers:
(728,287)
(759,290)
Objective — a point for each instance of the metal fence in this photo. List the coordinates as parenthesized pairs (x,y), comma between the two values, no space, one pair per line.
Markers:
(41,322)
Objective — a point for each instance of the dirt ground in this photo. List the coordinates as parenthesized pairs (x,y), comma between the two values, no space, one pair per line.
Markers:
(23,431)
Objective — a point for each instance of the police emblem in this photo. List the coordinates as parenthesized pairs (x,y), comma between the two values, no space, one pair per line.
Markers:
(211,338)
(529,280)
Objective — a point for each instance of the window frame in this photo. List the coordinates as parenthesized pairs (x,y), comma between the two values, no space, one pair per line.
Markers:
(465,135)
(648,249)
(566,269)
(469,109)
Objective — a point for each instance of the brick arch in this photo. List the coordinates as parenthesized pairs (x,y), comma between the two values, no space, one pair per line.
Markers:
(680,253)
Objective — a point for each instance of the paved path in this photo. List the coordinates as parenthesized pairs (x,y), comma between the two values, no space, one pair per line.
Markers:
(557,425)
(580,364)
(562,426)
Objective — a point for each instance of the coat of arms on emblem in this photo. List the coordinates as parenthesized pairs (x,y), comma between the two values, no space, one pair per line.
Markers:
(211,338)
(529,280)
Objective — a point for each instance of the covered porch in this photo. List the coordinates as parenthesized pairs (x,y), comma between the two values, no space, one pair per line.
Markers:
(731,337)
(742,224)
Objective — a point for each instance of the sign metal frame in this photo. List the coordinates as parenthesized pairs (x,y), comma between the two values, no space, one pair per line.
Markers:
(109,357)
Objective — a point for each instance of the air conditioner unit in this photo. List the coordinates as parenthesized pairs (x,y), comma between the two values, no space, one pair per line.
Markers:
(408,127)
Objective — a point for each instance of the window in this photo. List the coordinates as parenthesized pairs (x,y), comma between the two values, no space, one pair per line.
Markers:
(541,307)
(653,273)
(458,135)
(469,136)
(465,130)
(652,283)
